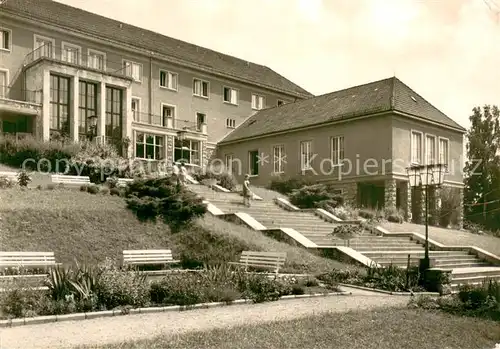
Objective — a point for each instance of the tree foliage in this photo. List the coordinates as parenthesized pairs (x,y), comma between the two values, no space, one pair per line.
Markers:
(482,169)
(163,198)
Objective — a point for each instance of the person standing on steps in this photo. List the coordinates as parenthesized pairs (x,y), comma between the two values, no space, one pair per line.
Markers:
(175,173)
(183,174)
(247,194)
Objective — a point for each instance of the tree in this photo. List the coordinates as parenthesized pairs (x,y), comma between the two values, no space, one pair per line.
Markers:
(163,198)
(482,169)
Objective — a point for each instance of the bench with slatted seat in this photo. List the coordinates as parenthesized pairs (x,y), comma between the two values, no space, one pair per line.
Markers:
(70,180)
(148,257)
(123,182)
(257,259)
(26,261)
(10,175)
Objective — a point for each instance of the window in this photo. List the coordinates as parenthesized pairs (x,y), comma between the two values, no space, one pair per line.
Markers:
(305,155)
(229,158)
(168,80)
(253,162)
(230,123)
(258,102)
(136,109)
(4,83)
(444,153)
(416,147)
(114,116)
(337,149)
(230,95)
(59,104)
(70,53)
(44,47)
(167,111)
(187,150)
(149,146)
(200,88)
(200,120)
(280,102)
(133,69)
(96,59)
(279,159)
(430,149)
(87,107)
(5,39)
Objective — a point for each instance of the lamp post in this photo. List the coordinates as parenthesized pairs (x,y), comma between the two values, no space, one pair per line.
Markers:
(426,176)
(92,122)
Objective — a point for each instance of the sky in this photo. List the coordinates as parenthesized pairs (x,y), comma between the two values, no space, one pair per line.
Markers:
(448,51)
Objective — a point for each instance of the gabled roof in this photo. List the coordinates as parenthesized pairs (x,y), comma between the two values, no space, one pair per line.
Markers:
(70,17)
(375,97)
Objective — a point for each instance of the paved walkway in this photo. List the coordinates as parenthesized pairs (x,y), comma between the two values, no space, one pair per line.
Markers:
(142,326)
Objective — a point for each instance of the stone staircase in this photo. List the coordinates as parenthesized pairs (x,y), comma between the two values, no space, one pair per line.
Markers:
(383,250)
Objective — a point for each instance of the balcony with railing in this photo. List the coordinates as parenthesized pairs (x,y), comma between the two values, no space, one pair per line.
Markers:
(17,100)
(170,123)
(75,57)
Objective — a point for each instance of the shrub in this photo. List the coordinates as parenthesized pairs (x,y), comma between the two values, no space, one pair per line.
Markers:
(317,195)
(367,214)
(345,212)
(6,182)
(115,191)
(51,186)
(162,198)
(393,278)
(347,231)
(122,288)
(112,182)
(104,191)
(393,215)
(23,179)
(84,187)
(201,247)
(93,189)
(450,206)
(222,178)
(14,152)
(286,186)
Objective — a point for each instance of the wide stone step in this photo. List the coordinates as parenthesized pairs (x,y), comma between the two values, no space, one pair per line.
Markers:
(475,264)
(476,271)
(415,252)
(473,280)
(450,259)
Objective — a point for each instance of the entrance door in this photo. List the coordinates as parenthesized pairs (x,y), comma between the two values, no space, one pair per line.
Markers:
(253,162)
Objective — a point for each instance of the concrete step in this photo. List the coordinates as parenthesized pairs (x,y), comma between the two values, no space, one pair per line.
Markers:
(420,253)
(478,263)
(473,280)
(450,259)
(466,273)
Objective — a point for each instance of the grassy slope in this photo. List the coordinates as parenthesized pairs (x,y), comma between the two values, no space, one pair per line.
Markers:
(92,227)
(385,329)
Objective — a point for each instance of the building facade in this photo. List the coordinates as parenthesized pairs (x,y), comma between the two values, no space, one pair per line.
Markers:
(65,71)
(360,139)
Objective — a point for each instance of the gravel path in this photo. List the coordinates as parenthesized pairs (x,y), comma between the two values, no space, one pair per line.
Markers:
(143,326)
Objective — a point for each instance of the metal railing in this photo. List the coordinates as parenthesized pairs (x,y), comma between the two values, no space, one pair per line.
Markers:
(160,120)
(77,56)
(21,94)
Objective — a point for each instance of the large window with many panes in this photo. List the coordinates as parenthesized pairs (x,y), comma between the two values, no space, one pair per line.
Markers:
(87,108)
(59,104)
(149,146)
(114,116)
(188,151)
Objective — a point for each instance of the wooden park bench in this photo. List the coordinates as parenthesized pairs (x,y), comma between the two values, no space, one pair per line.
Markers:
(269,260)
(71,180)
(26,261)
(122,182)
(148,257)
(10,175)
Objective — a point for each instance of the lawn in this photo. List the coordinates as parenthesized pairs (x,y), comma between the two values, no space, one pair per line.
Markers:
(89,228)
(450,236)
(382,329)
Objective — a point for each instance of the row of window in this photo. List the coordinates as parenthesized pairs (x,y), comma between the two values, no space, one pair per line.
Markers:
(71,53)
(434,150)
(152,147)
(279,156)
